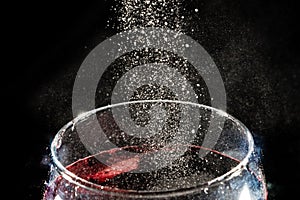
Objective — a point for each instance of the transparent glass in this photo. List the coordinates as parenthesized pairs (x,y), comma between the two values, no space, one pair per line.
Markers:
(155,149)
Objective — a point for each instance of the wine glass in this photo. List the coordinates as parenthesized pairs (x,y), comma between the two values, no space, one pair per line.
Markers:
(155,149)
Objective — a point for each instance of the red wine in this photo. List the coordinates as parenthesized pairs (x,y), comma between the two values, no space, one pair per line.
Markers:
(188,171)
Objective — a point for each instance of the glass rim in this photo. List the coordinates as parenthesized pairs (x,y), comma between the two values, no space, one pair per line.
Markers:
(73,178)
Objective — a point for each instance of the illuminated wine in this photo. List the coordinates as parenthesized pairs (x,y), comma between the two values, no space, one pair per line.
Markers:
(189,171)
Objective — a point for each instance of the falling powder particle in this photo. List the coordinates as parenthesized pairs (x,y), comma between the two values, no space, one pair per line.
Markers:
(162,13)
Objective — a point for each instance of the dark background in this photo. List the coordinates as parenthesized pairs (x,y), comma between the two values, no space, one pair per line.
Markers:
(53,38)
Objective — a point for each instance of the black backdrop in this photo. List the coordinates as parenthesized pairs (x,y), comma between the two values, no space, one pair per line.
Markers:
(54,37)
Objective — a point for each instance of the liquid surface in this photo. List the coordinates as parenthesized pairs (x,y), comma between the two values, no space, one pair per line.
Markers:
(187,171)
